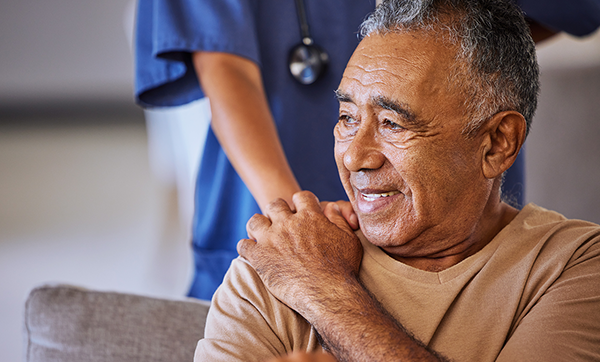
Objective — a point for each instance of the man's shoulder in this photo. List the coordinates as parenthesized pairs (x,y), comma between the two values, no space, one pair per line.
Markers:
(545,243)
(536,215)
(548,232)
(541,225)
(555,269)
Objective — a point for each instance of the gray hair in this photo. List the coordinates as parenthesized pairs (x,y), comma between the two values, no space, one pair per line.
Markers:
(496,64)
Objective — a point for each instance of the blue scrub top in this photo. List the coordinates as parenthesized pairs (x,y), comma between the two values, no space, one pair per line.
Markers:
(263,31)
(576,17)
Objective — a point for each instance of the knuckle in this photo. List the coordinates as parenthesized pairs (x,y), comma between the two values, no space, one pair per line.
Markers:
(255,222)
(306,198)
(241,247)
(276,205)
(245,247)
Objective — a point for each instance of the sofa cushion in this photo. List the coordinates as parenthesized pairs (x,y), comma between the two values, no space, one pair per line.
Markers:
(66,323)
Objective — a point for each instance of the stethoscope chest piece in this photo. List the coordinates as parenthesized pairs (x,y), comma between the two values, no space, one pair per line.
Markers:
(307,62)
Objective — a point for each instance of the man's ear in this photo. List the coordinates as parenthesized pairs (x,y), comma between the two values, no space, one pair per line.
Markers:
(504,135)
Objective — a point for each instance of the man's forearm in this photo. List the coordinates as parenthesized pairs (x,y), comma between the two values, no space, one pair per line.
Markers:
(355,327)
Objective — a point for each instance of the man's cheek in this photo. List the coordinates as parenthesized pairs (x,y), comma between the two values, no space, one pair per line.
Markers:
(338,153)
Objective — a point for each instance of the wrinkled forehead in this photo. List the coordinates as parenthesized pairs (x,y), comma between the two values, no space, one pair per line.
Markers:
(421,50)
(412,70)
(407,60)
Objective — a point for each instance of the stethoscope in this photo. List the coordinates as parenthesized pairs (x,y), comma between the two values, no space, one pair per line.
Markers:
(306,60)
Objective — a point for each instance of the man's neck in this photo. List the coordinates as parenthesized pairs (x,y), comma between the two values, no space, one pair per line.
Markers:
(490,225)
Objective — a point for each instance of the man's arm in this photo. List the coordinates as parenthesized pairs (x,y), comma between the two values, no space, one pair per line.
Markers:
(243,124)
(321,281)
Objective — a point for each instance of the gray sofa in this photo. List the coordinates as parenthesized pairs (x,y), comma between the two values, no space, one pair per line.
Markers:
(66,323)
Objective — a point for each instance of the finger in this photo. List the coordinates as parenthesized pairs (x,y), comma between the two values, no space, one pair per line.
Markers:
(334,214)
(349,214)
(306,200)
(277,208)
(245,248)
(257,225)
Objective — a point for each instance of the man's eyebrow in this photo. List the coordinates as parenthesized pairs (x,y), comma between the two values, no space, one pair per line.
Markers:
(385,103)
(399,108)
(342,97)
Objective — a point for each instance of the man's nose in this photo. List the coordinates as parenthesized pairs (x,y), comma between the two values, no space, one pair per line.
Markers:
(364,152)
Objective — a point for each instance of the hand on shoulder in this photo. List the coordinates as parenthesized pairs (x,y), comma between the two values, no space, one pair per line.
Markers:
(302,255)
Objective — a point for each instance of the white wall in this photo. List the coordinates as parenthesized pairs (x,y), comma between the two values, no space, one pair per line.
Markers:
(567,52)
(64,49)
(562,151)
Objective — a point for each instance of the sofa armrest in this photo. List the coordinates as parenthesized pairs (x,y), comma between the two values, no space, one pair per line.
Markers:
(66,323)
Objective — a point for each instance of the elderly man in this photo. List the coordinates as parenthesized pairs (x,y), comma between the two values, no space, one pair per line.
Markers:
(435,104)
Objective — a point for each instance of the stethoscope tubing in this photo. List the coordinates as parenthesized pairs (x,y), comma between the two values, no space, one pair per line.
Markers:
(302,20)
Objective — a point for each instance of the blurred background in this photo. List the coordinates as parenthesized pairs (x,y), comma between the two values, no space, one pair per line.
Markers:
(82,202)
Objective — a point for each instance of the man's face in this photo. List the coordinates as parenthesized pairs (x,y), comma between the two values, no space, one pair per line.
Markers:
(414,180)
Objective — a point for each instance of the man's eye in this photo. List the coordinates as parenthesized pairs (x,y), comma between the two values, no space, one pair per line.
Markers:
(346,119)
(346,128)
(392,125)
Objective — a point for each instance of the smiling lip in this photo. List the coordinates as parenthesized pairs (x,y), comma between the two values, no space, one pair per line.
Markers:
(371,200)
(375,196)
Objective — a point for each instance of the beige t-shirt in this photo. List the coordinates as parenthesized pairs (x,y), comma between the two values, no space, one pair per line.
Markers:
(532,294)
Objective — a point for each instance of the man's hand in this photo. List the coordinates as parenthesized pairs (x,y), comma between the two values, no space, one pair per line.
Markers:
(304,255)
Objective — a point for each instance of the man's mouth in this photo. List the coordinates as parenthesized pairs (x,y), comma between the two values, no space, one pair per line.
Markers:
(375,196)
